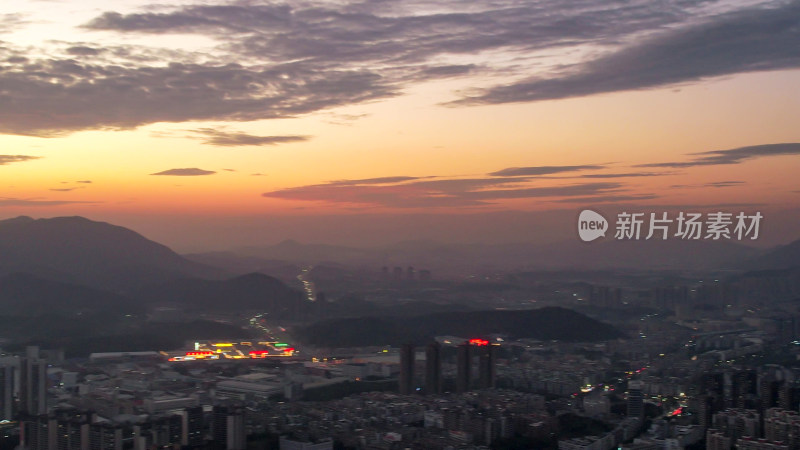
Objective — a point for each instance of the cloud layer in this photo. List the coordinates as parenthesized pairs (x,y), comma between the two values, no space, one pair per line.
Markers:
(187,172)
(278,61)
(732,156)
(416,192)
(222,138)
(8,159)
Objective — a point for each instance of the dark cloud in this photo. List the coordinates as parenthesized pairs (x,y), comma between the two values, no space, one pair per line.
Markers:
(188,172)
(379,180)
(232,139)
(756,39)
(8,201)
(116,97)
(542,170)
(732,156)
(408,192)
(723,184)
(627,175)
(84,181)
(258,174)
(606,198)
(65,189)
(8,159)
(80,50)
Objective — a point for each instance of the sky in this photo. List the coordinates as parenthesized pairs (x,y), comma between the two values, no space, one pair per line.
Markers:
(206,124)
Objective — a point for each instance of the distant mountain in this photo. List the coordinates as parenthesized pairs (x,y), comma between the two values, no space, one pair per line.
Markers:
(550,323)
(237,264)
(653,254)
(30,296)
(781,257)
(253,291)
(93,253)
(293,251)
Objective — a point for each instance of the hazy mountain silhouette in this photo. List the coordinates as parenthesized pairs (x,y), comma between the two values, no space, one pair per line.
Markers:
(293,251)
(91,253)
(543,324)
(241,265)
(253,291)
(781,257)
(672,253)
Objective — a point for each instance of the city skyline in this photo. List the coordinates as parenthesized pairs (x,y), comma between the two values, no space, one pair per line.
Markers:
(395,121)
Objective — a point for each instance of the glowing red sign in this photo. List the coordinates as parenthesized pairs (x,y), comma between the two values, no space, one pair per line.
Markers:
(480,342)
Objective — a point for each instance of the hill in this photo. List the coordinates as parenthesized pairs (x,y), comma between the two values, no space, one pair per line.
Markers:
(253,291)
(97,254)
(30,296)
(550,323)
(781,257)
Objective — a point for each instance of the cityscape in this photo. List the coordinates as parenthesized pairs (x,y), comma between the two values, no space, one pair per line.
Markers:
(399,225)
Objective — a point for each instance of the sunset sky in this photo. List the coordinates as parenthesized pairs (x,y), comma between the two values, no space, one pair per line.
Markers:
(210,123)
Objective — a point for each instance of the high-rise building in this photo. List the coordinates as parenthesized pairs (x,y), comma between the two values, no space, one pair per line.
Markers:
(487,370)
(35,432)
(227,427)
(407,369)
(716,440)
(158,432)
(736,423)
(289,444)
(635,400)
(744,388)
(105,436)
(72,431)
(463,367)
(8,369)
(433,368)
(192,427)
(33,383)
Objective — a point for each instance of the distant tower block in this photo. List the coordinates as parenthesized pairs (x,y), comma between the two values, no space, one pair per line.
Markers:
(7,370)
(385,273)
(635,399)
(433,369)
(487,370)
(463,367)
(410,273)
(407,369)
(397,273)
(33,383)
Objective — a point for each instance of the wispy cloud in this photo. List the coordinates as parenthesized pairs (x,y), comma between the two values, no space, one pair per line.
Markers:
(10,22)
(8,201)
(8,159)
(627,175)
(186,172)
(542,170)
(65,189)
(607,198)
(379,180)
(732,156)
(224,138)
(724,184)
